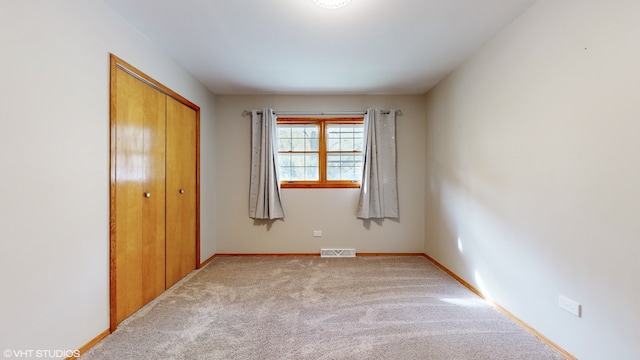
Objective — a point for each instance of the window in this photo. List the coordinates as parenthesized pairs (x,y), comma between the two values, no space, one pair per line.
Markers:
(320,152)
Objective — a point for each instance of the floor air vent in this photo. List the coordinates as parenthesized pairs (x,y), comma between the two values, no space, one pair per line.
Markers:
(338,252)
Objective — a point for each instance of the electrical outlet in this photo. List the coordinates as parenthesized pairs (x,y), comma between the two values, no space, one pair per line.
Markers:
(569,305)
(317,233)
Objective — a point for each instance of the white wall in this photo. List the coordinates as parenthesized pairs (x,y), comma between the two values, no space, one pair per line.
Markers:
(54,156)
(533,164)
(330,210)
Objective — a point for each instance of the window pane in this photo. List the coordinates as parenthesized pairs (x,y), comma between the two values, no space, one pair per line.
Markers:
(284,144)
(284,160)
(297,144)
(344,167)
(303,137)
(284,138)
(311,174)
(298,167)
(284,164)
(298,137)
(311,160)
(345,137)
(284,131)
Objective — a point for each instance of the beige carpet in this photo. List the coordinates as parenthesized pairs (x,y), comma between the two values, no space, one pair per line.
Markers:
(319,308)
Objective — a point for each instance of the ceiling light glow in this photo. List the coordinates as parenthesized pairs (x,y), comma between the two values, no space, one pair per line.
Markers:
(331,4)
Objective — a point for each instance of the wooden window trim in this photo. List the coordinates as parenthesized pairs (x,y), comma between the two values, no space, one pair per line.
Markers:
(322,153)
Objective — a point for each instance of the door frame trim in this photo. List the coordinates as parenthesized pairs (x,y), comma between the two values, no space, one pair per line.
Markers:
(118,63)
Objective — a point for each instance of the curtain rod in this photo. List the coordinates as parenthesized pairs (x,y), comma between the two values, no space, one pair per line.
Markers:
(332,113)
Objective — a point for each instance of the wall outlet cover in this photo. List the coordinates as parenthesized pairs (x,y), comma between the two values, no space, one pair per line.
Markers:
(570,305)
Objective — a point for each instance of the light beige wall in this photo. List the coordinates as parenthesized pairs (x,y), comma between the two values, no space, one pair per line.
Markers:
(329,210)
(533,163)
(54,160)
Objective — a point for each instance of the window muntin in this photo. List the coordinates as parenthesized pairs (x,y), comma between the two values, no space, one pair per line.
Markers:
(320,152)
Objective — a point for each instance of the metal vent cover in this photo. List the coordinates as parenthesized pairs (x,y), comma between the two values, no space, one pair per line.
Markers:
(337,252)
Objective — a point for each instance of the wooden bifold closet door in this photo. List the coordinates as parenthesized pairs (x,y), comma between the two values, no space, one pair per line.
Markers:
(139,194)
(154,189)
(181,191)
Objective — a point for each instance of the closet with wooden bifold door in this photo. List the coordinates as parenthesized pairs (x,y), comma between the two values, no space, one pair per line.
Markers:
(154,189)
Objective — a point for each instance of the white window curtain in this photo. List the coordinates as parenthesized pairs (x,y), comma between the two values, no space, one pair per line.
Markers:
(379,189)
(264,194)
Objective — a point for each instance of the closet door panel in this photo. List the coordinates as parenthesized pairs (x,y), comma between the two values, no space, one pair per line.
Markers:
(128,195)
(153,224)
(181,191)
(139,220)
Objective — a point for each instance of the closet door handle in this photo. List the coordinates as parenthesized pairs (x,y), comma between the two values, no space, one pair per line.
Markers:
(147,194)
(181,191)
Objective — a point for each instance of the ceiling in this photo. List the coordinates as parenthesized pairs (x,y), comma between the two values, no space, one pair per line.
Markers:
(296,47)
